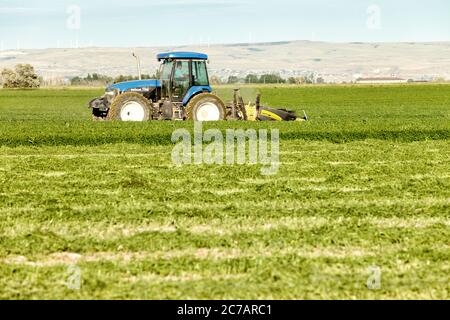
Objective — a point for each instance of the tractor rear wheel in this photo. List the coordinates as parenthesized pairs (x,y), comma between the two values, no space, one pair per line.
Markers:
(206,107)
(130,106)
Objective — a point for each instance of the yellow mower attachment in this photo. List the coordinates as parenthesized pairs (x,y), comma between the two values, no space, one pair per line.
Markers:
(252,114)
(237,110)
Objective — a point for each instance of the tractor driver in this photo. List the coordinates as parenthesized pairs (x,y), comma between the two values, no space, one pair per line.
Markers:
(181,73)
(181,78)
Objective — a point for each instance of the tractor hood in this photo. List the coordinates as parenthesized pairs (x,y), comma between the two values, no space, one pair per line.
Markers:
(138,84)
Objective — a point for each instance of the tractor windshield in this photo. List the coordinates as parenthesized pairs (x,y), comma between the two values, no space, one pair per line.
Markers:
(166,74)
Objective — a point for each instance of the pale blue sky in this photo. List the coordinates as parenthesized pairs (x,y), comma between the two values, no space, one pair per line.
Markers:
(119,23)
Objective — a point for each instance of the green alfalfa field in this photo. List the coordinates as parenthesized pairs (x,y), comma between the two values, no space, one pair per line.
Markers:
(363,194)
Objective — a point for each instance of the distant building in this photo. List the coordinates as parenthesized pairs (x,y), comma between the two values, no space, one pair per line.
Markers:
(381,80)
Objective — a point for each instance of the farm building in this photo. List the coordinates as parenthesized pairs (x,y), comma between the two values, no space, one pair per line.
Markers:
(381,80)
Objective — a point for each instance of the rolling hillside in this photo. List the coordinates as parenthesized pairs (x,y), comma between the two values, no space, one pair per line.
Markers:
(334,61)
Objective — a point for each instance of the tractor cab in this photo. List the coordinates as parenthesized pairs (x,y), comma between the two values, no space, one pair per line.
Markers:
(182,93)
(183,75)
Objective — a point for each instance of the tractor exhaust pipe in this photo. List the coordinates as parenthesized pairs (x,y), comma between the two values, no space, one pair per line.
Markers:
(138,62)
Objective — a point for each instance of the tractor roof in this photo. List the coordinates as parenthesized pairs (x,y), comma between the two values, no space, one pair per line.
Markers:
(182,55)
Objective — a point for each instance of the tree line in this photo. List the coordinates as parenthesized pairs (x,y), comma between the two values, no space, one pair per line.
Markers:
(99,79)
(24,76)
(268,79)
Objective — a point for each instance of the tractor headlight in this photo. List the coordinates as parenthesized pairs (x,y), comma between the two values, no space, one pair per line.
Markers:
(110,91)
(110,94)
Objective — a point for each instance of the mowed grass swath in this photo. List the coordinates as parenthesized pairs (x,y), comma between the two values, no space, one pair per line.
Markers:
(364,184)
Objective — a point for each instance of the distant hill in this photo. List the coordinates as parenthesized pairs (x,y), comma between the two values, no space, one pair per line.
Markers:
(333,61)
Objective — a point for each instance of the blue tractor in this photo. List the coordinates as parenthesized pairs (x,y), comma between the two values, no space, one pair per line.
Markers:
(182,93)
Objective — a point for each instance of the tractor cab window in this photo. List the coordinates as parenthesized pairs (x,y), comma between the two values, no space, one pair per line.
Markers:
(180,80)
(199,73)
(166,74)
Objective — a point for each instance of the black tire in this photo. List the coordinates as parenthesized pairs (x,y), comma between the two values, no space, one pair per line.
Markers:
(198,102)
(116,111)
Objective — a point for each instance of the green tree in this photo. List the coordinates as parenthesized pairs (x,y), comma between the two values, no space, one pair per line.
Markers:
(22,77)
(251,78)
(75,81)
(9,78)
(320,80)
(233,80)
(91,80)
(310,78)
(271,78)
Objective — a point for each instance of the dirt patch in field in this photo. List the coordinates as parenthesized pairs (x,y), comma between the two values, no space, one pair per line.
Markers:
(57,259)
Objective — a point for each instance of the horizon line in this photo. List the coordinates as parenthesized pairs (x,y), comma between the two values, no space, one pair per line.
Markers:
(231,44)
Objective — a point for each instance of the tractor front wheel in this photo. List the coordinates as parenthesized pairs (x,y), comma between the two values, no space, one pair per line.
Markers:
(206,107)
(130,106)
